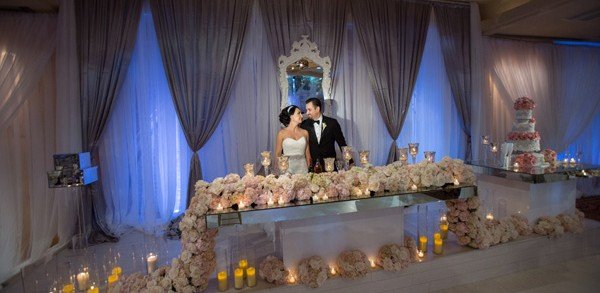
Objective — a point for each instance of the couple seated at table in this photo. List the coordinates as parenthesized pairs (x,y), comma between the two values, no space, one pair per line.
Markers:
(306,142)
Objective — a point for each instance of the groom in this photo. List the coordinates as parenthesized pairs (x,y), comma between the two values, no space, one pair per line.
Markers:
(323,132)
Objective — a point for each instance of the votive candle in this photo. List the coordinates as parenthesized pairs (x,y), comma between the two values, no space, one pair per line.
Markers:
(423,243)
(243,264)
(117,271)
(413,187)
(219,207)
(238,278)
(456,183)
(270,202)
(444,230)
(251,276)
(93,289)
(112,279)
(489,216)
(281,201)
(222,281)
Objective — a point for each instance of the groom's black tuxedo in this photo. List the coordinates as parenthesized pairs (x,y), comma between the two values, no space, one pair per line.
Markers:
(330,134)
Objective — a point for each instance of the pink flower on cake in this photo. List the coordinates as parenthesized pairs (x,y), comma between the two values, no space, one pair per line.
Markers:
(550,156)
(525,160)
(517,135)
(524,103)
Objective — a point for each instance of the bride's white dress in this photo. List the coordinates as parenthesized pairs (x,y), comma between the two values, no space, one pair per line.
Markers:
(295,149)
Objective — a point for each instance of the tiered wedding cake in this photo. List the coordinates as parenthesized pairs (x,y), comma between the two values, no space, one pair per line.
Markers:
(523,135)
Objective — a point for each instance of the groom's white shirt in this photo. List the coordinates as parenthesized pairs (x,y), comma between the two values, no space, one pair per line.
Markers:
(319,128)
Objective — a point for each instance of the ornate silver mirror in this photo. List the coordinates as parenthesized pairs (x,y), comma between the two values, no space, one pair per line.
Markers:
(304,74)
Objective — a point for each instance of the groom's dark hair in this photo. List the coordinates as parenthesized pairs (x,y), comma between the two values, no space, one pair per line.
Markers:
(316,102)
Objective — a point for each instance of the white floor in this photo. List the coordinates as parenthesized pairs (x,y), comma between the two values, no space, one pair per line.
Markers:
(532,264)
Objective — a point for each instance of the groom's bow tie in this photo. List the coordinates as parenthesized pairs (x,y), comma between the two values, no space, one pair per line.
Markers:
(316,121)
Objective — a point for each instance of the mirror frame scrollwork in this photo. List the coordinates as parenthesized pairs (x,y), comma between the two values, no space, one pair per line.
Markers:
(304,49)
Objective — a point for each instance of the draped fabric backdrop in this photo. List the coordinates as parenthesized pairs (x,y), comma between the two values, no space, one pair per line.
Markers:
(35,221)
(393,35)
(285,21)
(143,152)
(454,29)
(107,31)
(201,43)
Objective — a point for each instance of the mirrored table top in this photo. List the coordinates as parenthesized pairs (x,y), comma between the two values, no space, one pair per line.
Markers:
(310,208)
(557,172)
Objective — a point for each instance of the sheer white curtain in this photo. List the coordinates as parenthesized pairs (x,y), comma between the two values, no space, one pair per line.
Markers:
(250,122)
(433,120)
(35,220)
(144,157)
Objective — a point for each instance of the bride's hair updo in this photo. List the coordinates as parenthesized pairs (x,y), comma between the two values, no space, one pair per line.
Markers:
(286,113)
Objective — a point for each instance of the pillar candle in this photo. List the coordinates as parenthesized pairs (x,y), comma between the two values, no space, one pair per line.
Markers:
(151,262)
(117,271)
(112,279)
(222,279)
(238,278)
(244,265)
(93,289)
(437,246)
(82,280)
(251,276)
(444,230)
(423,243)
(68,288)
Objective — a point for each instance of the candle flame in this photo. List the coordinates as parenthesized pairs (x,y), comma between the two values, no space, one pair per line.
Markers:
(332,270)
(420,253)
(489,216)
(372,262)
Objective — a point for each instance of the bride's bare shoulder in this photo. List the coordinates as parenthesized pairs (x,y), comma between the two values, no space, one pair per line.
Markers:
(304,132)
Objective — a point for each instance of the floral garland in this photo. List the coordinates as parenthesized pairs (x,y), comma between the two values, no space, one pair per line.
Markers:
(312,271)
(472,229)
(273,271)
(353,264)
(524,103)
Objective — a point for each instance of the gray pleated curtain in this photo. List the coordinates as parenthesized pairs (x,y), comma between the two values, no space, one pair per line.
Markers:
(392,34)
(201,44)
(322,20)
(105,39)
(453,24)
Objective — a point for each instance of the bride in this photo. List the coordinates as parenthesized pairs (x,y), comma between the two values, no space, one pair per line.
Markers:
(292,141)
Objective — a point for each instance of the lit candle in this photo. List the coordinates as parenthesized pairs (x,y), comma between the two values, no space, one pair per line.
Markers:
(443,218)
(151,262)
(82,279)
(413,187)
(444,230)
(292,279)
(219,207)
(243,264)
(241,205)
(420,253)
(565,161)
(489,216)
(372,262)
(112,279)
(456,182)
(332,271)
(423,243)
(437,245)
(251,273)
(68,288)
(583,173)
(325,197)
(238,278)
(281,201)
(572,161)
(315,198)
(93,289)
(117,271)
(222,279)
(516,165)
(270,202)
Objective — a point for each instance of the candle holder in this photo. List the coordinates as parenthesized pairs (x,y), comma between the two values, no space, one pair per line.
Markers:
(438,243)
(494,151)
(284,164)
(83,279)
(429,156)
(364,158)
(249,169)
(151,260)
(485,141)
(347,154)
(422,226)
(339,165)
(222,268)
(266,161)
(403,154)
(413,148)
(329,164)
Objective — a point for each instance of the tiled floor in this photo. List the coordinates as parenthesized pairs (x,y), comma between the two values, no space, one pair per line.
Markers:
(578,275)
